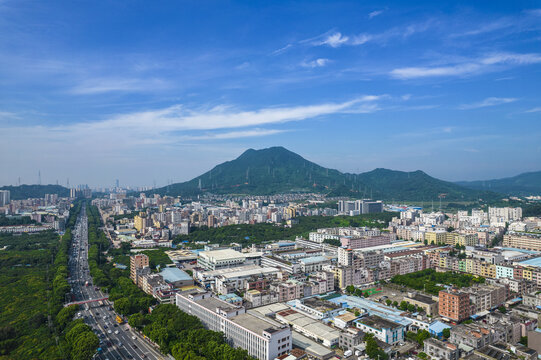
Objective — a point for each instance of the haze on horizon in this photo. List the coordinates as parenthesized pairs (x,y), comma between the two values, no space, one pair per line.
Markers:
(132,91)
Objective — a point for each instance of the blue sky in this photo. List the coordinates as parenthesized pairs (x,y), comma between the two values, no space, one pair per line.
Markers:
(162,91)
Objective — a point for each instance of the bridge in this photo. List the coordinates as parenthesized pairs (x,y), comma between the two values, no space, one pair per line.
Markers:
(85,301)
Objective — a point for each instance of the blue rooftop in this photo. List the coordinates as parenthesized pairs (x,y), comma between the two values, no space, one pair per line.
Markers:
(173,274)
(313,259)
(532,262)
(372,308)
(437,327)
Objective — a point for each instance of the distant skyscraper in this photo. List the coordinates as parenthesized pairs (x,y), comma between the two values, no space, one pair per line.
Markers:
(117,183)
(4,197)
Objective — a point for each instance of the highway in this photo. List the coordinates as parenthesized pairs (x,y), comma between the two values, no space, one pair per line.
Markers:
(116,341)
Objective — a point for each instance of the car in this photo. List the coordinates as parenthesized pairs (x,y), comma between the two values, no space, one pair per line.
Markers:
(116,332)
(143,356)
(134,346)
(105,326)
(115,325)
(109,332)
(133,337)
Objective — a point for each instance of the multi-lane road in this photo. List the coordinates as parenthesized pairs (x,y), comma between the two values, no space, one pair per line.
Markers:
(117,341)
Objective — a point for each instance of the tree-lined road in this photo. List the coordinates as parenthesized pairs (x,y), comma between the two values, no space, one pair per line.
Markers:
(117,341)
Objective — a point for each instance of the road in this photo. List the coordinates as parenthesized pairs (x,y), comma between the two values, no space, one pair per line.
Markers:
(116,341)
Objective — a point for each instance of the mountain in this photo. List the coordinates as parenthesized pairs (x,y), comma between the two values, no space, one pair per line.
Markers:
(524,184)
(22,192)
(278,170)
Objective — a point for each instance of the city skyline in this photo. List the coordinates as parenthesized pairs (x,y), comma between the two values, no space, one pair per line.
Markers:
(99,92)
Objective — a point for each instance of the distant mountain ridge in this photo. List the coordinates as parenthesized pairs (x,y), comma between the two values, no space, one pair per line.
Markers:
(278,170)
(22,192)
(523,184)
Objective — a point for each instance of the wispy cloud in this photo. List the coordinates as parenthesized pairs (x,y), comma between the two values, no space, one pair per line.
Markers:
(333,40)
(107,85)
(491,101)
(315,63)
(282,49)
(373,14)
(236,134)
(485,28)
(178,122)
(534,110)
(466,68)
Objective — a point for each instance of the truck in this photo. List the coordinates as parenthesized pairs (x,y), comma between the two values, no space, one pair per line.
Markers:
(86,283)
(119,320)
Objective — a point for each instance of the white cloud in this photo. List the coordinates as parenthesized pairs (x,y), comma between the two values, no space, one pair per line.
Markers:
(466,68)
(106,85)
(281,50)
(536,109)
(373,14)
(333,40)
(361,39)
(174,123)
(236,134)
(491,101)
(315,63)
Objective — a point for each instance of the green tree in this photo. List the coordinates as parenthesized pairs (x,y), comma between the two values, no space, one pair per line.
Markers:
(395,303)
(388,302)
(446,333)
(411,308)
(502,309)
(350,289)
(403,305)
(137,320)
(85,346)
(422,335)
(123,306)
(65,315)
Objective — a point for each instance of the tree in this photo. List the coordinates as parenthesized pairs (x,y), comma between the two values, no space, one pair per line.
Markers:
(65,315)
(446,333)
(357,313)
(350,289)
(524,340)
(395,303)
(85,346)
(502,309)
(372,348)
(403,305)
(422,335)
(411,308)
(388,302)
(137,320)
(123,306)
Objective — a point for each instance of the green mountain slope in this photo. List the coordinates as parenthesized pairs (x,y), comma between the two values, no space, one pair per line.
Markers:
(22,192)
(278,170)
(523,184)
(416,185)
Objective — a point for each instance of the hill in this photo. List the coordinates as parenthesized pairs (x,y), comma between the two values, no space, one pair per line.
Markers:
(22,192)
(523,184)
(278,170)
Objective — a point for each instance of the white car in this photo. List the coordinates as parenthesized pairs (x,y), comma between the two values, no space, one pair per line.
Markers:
(116,332)
(109,332)
(133,338)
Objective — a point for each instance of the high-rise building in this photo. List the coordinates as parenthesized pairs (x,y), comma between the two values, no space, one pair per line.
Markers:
(454,305)
(137,263)
(4,197)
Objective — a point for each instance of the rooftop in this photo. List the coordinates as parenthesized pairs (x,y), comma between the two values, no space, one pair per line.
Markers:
(423,298)
(314,260)
(379,323)
(212,303)
(256,324)
(310,346)
(224,254)
(173,274)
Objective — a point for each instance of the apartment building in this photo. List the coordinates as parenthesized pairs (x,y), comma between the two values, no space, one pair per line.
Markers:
(263,338)
(521,241)
(137,263)
(454,305)
(438,349)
